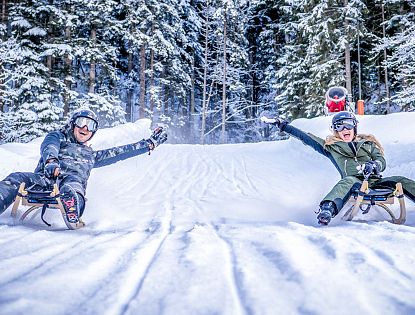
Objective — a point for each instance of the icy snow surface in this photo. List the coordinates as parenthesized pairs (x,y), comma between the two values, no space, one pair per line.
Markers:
(220,229)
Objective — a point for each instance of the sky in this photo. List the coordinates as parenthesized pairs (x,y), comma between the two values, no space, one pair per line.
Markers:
(213,229)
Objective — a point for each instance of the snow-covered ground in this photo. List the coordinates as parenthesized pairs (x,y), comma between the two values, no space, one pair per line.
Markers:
(221,229)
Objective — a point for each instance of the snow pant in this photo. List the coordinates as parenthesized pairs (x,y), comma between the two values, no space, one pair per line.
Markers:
(342,191)
(10,186)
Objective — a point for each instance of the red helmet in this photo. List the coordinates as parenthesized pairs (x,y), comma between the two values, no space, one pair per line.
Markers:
(336,99)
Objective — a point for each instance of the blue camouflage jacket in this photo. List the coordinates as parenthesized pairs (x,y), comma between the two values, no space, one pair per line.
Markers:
(76,160)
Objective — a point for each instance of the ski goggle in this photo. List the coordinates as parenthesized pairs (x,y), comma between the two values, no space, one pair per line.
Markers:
(348,124)
(90,124)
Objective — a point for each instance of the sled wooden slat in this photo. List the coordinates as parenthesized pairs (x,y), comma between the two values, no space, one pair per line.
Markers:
(357,202)
(54,201)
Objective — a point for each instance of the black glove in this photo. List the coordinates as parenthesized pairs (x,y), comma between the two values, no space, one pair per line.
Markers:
(158,137)
(370,167)
(50,168)
(276,121)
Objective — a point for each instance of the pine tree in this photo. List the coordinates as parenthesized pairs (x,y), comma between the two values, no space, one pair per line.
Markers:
(28,90)
(314,53)
(401,49)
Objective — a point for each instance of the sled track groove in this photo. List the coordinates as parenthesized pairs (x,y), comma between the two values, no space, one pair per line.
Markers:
(156,253)
(45,265)
(236,277)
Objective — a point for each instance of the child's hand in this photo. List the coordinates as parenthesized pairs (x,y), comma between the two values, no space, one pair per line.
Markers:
(158,137)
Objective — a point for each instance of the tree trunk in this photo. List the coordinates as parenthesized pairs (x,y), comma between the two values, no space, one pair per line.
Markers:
(166,99)
(92,68)
(4,21)
(50,39)
(67,73)
(204,96)
(152,90)
(142,81)
(385,56)
(192,100)
(347,54)
(128,106)
(224,82)
(4,11)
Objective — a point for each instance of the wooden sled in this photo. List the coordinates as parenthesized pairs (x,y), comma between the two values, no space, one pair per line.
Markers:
(365,198)
(41,199)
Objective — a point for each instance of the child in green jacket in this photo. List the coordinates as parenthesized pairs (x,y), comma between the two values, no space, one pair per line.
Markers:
(354,155)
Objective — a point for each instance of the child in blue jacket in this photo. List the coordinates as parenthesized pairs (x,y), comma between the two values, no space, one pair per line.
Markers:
(67,158)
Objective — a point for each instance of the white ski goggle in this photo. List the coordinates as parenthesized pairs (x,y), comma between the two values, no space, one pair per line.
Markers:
(348,124)
(90,124)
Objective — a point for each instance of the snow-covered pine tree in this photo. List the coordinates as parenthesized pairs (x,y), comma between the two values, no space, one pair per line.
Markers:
(314,53)
(224,68)
(264,39)
(192,24)
(398,46)
(95,53)
(237,108)
(29,86)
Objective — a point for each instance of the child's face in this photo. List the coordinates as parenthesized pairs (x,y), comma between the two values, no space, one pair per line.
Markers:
(82,135)
(346,135)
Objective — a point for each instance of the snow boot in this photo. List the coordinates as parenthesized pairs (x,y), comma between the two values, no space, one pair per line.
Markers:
(70,202)
(327,211)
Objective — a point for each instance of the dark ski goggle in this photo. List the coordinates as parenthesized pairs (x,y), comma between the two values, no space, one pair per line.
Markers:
(90,124)
(344,125)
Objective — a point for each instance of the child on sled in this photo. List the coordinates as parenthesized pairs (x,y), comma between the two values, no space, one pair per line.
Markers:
(67,158)
(354,156)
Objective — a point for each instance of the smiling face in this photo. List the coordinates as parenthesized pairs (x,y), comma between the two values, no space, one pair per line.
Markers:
(82,135)
(346,135)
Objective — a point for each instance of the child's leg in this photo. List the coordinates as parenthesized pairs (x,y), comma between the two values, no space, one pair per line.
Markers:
(342,191)
(408,185)
(73,202)
(10,186)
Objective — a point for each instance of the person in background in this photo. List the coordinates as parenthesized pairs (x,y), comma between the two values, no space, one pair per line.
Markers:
(336,99)
(66,157)
(354,156)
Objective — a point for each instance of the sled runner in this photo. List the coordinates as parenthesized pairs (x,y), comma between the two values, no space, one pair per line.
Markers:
(45,199)
(365,198)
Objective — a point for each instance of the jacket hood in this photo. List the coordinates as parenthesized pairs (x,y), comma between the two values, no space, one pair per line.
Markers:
(331,139)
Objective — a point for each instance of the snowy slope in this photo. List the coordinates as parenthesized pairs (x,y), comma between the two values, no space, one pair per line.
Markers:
(224,229)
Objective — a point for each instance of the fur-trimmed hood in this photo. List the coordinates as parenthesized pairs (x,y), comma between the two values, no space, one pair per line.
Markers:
(331,139)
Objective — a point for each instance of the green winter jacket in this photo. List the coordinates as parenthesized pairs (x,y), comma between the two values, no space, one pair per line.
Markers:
(346,156)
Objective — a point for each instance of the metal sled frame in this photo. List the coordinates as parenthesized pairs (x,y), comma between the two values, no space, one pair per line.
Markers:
(375,197)
(44,200)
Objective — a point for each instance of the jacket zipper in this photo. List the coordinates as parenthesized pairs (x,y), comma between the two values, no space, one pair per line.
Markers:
(354,149)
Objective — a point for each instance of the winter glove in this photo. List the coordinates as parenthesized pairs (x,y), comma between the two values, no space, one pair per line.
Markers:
(369,168)
(276,121)
(52,168)
(158,137)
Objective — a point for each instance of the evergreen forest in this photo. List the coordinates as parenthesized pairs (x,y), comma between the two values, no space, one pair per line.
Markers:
(205,69)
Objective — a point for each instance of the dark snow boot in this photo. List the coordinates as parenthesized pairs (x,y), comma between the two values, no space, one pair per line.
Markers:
(327,211)
(70,202)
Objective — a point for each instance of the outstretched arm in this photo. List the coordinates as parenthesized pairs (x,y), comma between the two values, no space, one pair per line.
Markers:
(115,154)
(307,138)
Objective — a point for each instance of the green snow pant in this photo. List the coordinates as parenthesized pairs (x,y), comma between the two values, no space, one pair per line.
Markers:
(342,191)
